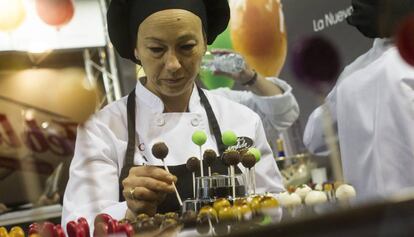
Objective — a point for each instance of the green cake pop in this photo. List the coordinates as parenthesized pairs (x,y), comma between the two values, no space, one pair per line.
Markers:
(199,137)
(257,154)
(229,138)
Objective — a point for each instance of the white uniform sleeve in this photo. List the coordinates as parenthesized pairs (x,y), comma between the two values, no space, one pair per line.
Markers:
(93,180)
(314,134)
(268,177)
(280,111)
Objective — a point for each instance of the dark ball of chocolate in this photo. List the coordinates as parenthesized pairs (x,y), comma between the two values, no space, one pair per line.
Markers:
(189,218)
(160,150)
(193,164)
(231,157)
(209,156)
(248,160)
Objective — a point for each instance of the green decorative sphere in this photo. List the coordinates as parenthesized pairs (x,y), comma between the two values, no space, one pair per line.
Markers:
(199,137)
(229,138)
(257,154)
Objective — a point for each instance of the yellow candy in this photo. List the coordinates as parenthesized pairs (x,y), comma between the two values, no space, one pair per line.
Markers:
(3,232)
(16,232)
(269,202)
(220,203)
(227,214)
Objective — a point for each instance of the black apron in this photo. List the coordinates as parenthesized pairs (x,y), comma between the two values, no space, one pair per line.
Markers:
(185,178)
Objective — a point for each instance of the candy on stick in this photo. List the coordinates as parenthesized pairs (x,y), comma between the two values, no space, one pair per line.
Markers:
(160,151)
(209,157)
(199,138)
(232,157)
(228,138)
(193,164)
(256,153)
(248,160)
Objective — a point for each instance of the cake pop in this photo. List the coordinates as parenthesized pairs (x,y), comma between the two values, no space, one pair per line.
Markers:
(160,151)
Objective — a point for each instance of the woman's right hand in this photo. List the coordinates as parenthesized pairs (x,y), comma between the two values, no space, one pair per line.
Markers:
(146,187)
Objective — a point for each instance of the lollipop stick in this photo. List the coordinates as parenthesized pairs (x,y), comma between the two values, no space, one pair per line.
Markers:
(233,181)
(201,163)
(194,191)
(209,171)
(247,175)
(254,180)
(175,188)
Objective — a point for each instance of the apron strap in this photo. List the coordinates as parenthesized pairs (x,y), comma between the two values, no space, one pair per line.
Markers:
(130,152)
(212,121)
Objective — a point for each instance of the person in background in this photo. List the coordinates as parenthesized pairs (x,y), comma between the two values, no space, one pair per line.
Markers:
(372,108)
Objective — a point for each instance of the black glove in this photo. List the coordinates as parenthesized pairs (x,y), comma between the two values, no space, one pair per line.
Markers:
(379,18)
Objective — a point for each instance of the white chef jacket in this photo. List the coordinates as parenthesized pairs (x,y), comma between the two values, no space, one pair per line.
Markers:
(373,112)
(101,145)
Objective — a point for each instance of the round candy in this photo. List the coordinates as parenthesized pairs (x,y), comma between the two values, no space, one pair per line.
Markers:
(315,197)
(189,218)
(172,215)
(193,164)
(207,211)
(221,203)
(269,202)
(231,157)
(199,138)
(345,192)
(142,217)
(16,231)
(248,160)
(160,150)
(229,138)
(227,214)
(257,154)
(3,231)
(209,156)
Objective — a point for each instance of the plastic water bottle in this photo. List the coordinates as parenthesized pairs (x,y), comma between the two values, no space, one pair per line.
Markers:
(230,63)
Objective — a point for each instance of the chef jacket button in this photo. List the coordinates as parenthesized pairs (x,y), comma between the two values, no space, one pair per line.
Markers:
(160,122)
(195,122)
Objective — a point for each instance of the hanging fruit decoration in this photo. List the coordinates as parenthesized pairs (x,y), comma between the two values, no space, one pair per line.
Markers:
(258,33)
(12,14)
(55,12)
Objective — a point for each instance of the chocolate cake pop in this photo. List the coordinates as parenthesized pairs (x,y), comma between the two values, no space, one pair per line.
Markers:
(257,154)
(160,151)
(248,160)
(232,157)
(193,164)
(209,157)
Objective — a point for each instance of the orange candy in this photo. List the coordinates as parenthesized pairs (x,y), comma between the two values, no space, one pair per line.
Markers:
(258,33)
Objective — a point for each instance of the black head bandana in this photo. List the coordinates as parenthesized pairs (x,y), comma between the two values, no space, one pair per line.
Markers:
(379,18)
(125,16)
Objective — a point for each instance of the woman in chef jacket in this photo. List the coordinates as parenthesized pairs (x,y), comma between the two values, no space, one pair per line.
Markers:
(371,106)
(113,159)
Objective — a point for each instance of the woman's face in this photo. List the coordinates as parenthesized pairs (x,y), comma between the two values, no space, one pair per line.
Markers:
(170,46)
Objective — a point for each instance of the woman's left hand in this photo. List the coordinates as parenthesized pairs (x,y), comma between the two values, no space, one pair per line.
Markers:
(242,77)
